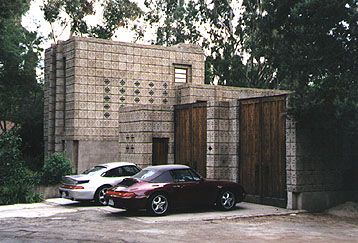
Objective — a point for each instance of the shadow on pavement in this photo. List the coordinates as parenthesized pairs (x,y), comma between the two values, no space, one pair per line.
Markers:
(77,204)
(143,213)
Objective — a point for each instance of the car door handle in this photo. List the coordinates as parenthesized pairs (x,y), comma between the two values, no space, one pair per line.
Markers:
(177,186)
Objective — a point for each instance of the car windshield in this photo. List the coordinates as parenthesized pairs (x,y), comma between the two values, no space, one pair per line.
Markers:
(146,175)
(94,169)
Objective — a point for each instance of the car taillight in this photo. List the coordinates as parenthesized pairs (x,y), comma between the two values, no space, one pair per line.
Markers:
(73,187)
(121,194)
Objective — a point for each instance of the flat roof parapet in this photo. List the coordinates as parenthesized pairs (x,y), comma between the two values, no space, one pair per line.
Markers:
(182,47)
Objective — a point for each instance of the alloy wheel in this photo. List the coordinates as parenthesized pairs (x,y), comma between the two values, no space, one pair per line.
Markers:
(101,196)
(159,204)
(227,200)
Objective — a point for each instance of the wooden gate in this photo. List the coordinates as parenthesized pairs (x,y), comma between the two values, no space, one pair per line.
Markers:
(263,150)
(160,151)
(190,135)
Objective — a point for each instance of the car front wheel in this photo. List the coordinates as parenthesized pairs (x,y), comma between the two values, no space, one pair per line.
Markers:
(226,200)
(158,205)
(99,197)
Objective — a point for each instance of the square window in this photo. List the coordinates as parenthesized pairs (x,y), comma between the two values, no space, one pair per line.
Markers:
(181,74)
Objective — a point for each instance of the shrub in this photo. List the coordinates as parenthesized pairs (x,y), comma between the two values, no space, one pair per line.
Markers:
(55,166)
(17,182)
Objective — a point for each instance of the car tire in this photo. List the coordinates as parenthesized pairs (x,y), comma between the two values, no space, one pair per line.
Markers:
(226,200)
(158,204)
(99,196)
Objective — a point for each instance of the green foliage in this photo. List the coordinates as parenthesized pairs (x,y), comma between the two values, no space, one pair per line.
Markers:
(73,13)
(55,166)
(76,10)
(21,95)
(215,26)
(116,13)
(314,53)
(17,182)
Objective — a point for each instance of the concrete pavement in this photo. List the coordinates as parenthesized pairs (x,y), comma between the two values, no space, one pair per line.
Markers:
(51,207)
(60,220)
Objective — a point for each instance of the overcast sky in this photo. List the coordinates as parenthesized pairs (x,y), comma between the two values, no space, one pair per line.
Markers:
(34,20)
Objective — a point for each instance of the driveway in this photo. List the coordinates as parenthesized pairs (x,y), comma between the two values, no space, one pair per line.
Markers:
(60,220)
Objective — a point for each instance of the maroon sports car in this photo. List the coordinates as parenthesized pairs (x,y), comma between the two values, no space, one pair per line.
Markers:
(159,188)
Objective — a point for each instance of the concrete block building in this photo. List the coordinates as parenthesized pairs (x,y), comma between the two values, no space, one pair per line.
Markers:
(113,101)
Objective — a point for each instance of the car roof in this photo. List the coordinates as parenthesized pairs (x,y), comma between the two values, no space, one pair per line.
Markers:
(167,167)
(111,165)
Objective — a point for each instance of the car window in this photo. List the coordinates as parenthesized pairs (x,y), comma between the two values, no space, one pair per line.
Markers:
(165,177)
(182,175)
(146,175)
(116,172)
(195,175)
(130,170)
(93,169)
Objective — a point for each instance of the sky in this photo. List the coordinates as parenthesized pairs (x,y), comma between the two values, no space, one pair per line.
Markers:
(34,20)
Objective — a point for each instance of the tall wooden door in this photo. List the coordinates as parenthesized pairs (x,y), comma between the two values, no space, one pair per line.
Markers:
(160,151)
(263,150)
(190,135)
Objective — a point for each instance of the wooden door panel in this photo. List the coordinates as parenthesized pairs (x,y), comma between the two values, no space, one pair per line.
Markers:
(249,137)
(160,151)
(262,149)
(182,137)
(273,151)
(199,139)
(191,135)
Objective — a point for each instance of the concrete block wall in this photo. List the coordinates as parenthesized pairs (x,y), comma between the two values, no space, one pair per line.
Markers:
(125,74)
(88,80)
(47,73)
(49,98)
(138,125)
(317,177)
(190,93)
(222,139)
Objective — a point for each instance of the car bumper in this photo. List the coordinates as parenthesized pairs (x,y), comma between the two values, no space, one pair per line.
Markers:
(76,194)
(127,203)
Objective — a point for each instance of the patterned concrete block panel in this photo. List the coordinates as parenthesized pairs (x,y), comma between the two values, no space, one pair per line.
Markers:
(139,125)
(91,153)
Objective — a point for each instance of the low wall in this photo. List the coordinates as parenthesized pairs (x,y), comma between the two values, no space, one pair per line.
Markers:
(319,201)
(50,191)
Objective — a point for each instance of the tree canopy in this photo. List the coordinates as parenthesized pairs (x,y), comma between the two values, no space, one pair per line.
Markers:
(307,46)
(312,46)
(73,13)
(21,95)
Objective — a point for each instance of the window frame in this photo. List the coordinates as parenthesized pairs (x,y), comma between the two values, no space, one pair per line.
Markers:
(187,69)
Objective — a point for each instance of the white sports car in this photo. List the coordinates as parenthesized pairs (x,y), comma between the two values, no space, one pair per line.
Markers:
(93,183)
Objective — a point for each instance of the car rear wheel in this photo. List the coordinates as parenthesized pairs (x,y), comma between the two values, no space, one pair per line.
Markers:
(226,200)
(158,204)
(99,197)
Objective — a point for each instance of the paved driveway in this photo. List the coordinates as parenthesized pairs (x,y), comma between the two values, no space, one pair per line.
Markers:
(60,220)
(55,206)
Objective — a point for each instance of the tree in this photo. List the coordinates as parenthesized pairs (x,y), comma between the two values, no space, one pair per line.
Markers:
(72,14)
(17,182)
(20,92)
(216,26)
(313,53)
